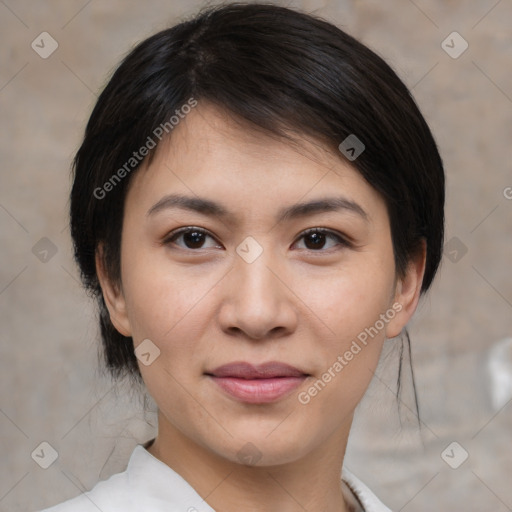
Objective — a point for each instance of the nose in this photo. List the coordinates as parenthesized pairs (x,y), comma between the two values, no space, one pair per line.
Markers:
(257,302)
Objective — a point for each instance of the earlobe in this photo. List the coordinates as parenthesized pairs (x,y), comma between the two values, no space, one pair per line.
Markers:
(114,298)
(407,292)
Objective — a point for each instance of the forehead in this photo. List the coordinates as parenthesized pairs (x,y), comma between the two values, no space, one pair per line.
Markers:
(209,153)
(208,132)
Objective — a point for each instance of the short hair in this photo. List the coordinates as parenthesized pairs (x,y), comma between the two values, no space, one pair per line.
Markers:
(281,71)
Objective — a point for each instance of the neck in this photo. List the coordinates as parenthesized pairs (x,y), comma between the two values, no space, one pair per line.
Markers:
(311,483)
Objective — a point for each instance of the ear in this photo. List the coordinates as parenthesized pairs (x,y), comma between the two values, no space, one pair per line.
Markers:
(114,298)
(407,292)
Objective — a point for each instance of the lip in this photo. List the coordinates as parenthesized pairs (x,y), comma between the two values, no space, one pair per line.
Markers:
(264,383)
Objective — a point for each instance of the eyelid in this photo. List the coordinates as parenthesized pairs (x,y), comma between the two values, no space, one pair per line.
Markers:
(326,231)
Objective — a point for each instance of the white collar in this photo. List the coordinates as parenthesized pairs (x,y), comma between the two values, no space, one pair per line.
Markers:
(369,501)
(150,476)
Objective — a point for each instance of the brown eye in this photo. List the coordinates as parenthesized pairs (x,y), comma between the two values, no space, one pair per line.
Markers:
(193,238)
(316,239)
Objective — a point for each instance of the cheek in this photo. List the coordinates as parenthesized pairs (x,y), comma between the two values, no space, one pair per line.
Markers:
(348,302)
(158,297)
(352,309)
(167,309)
(351,304)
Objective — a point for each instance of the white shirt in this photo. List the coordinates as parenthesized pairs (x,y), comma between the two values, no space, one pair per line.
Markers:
(149,485)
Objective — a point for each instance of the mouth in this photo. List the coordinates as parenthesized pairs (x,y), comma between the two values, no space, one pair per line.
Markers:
(265,383)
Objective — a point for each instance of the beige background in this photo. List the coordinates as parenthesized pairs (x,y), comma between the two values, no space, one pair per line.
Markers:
(51,388)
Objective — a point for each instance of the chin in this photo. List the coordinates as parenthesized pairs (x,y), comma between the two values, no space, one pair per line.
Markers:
(253,447)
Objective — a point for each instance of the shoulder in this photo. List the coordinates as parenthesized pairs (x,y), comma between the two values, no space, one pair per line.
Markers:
(146,484)
(110,495)
(369,501)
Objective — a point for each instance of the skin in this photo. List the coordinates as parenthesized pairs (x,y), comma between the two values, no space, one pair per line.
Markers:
(203,306)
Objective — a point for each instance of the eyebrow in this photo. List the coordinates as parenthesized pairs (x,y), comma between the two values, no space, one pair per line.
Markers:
(214,209)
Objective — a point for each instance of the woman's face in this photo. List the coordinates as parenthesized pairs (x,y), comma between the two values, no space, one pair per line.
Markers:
(255,288)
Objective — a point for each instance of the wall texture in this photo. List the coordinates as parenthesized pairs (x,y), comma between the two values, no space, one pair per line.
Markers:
(51,387)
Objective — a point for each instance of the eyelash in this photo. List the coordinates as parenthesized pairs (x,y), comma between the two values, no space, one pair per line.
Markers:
(343,242)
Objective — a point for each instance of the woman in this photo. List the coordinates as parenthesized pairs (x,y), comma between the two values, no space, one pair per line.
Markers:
(257,205)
